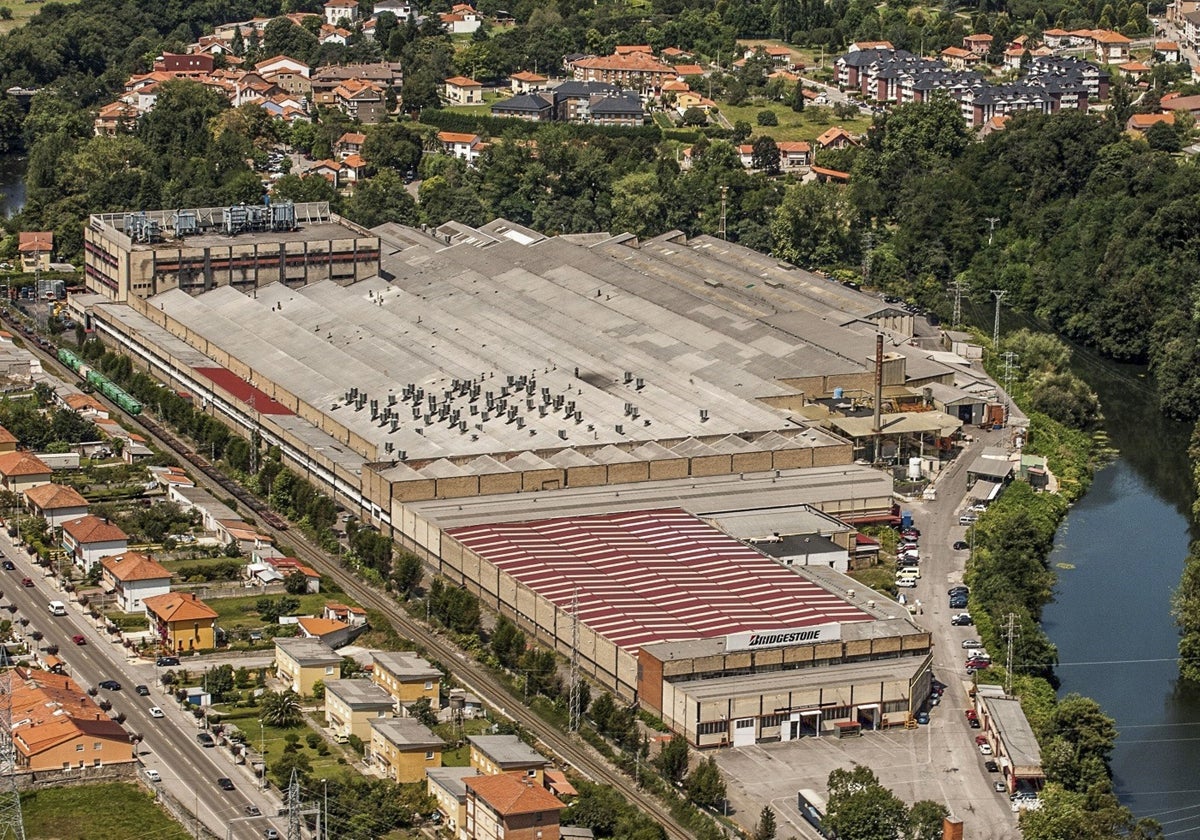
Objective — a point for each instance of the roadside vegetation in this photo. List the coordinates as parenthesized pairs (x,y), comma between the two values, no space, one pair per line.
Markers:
(96,812)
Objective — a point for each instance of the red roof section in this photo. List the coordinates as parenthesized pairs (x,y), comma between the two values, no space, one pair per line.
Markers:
(257,399)
(654,576)
(511,796)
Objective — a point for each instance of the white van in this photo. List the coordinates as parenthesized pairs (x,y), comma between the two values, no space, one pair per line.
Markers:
(58,608)
(908,573)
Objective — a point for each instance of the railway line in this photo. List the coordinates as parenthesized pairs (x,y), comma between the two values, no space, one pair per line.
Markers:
(569,748)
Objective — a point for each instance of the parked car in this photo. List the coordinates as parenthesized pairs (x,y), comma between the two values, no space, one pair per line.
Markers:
(922,717)
(270,834)
(156,712)
(252,811)
(906,582)
(974,723)
(26,582)
(985,749)
(167,661)
(991,766)
(959,589)
(152,774)
(972,643)
(999,787)
(142,690)
(224,783)
(979,664)
(980,739)
(205,740)
(962,620)
(961,545)
(972,714)
(957,603)
(78,639)
(9,565)
(110,685)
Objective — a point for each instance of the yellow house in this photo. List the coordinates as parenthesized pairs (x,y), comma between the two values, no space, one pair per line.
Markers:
(302,662)
(403,749)
(494,754)
(351,704)
(406,677)
(8,441)
(182,622)
(446,785)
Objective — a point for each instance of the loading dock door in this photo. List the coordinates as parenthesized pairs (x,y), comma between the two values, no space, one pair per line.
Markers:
(868,716)
(810,723)
(743,732)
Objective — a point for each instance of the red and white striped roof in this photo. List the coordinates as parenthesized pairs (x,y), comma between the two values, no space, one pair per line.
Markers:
(654,576)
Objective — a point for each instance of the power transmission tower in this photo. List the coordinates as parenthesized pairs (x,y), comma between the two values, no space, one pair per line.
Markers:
(868,243)
(574,695)
(958,290)
(12,825)
(1009,363)
(991,220)
(1010,632)
(999,295)
(293,801)
(724,194)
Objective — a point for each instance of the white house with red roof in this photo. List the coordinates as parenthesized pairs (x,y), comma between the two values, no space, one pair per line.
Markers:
(90,538)
(350,143)
(336,10)
(56,503)
(461,19)
(465,147)
(133,577)
(20,471)
(459,90)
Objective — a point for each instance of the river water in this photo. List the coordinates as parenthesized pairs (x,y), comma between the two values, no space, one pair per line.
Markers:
(1119,555)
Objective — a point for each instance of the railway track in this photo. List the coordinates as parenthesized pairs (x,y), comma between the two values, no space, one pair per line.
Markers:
(571,749)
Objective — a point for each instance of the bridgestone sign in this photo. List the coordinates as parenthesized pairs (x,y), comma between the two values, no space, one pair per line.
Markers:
(762,639)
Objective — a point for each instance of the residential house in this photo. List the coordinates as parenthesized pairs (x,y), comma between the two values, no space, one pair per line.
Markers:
(637,71)
(89,538)
(403,748)
(511,807)
(354,169)
(1172,102)
(182,622)
(330,170)
(350,143)
(333,35)
(86,405)
(115,118)
(185,65)
(36,249)
(571,99)
(1167,50)
(794,154)
(692,99)
(134,577)
(339,10)
(980,44)
(287,565)
(247,537)
(527,82)
(332,632)
(56,503)
(959,59)
(402,9)
(1141,123)
(1013,56)
(351,704)
(385,74)
(459,90)
(675,54)
(353,616)
(1056,39)
(996,123)
(533,107)
(835,138)
(1111,47)
(447,785)
(8,441)
(492,754)
(1134,71)
(616,110)
(363,101)
(685,70)
(630,49)
(465,147)
(287,73)
(57,726)
(406,677)
(461,19)
(558,784)
(301,663)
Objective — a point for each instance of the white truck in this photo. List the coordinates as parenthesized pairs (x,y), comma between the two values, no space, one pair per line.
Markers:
(58,608)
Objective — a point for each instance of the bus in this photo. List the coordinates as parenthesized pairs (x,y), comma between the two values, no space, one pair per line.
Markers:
(812,808)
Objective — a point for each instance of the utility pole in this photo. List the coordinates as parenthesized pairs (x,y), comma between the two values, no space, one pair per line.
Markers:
(12,824)
(991,220)
(573,696)
(868,242)
(999,295)
(724,194)
(1008,664)
(1009,359)
(958,289)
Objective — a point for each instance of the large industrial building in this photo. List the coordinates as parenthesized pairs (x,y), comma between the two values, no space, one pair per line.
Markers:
(486,391)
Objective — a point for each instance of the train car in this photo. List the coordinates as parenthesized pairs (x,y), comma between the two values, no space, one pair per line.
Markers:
(69,359)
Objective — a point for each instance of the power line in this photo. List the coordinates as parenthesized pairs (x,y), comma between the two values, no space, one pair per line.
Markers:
(12,824)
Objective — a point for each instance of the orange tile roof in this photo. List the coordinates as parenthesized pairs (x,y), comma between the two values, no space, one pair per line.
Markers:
(793,146)
(982,38)
(629,49)
(1104,36)
(55,497)
(30,240)
(179,606)
(50,709)
(462,81)
(1134,67)
(1166,46)
(557,782)
(526,76)
(22,463)
(321,626)
(456,137)
(354,161)
(1141,122)
(632,62)
(81,402)
(510,795)
(133,565)
(93,529)
(5,435)
(689,69)
(352,137)
(956,52)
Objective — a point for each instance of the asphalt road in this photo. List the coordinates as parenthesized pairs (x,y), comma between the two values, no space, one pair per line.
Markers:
(169,744)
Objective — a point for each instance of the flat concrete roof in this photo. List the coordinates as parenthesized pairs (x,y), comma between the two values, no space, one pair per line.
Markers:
(899,423)
(450,779)
(1014,730)
(763,523)
(405,664)
(706,495)
(507,750)
(308,651)
(406,732)
(359,694)
(801,679)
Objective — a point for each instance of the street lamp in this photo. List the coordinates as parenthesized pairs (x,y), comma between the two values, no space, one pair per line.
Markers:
(262,752)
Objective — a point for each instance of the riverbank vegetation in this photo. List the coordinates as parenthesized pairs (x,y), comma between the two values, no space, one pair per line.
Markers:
(1186,601)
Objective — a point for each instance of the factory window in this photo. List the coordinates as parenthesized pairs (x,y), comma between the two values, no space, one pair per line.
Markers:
(79,748)
(715,727)
(770,720)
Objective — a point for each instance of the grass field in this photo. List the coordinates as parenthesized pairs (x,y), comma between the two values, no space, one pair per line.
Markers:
(809,125)
(274,740)
(241,613)
(96,812)
(23,11)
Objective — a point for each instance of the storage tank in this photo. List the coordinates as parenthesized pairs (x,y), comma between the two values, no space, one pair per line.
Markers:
(914,469)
